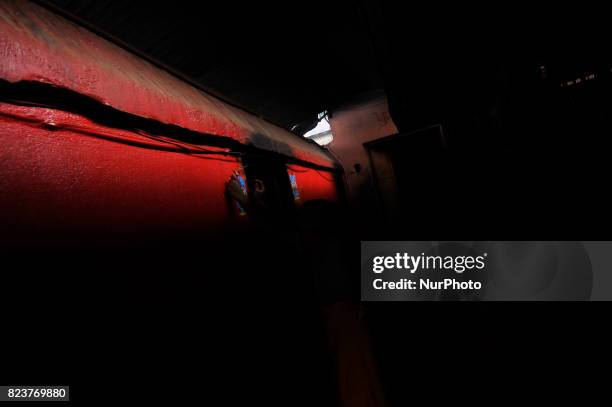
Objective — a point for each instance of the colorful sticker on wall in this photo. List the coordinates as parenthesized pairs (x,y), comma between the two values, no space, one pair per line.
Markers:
(294,187)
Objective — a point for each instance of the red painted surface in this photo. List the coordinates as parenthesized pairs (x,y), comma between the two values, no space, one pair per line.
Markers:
(314,184)
(68,184)
(67,179)
(37,45)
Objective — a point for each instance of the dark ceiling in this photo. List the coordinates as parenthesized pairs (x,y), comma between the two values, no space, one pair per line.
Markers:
(288,61)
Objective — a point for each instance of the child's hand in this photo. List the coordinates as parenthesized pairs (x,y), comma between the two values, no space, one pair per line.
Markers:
(235,191)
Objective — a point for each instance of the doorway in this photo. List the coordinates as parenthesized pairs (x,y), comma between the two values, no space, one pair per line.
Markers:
(408,169)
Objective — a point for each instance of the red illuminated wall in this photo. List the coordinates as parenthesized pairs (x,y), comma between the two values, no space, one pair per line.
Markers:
(65,182)
(314,184)
(37,45)
(66,177)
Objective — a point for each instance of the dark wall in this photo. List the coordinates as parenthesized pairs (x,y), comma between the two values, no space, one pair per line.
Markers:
(521,148)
